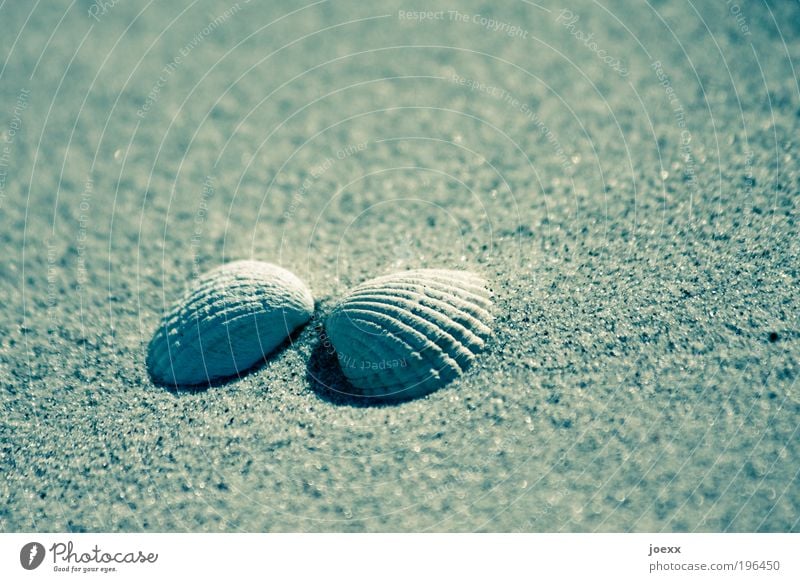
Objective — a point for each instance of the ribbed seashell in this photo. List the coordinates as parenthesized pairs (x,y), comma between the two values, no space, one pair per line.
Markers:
(407,334)
(235,315)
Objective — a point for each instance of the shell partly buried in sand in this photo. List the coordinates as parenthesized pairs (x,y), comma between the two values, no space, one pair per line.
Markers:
(235,315)
(407,334)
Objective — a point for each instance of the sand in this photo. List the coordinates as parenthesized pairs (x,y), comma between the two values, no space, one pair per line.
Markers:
(628,181)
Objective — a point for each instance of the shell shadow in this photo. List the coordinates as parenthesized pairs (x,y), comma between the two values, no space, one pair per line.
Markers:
(241,374)
(329,383)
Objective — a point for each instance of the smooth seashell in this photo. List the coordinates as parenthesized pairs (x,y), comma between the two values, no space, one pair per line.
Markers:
(407,334)
(235,315)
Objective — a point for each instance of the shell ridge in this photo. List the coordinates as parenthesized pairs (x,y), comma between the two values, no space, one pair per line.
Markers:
(461,320)
(446,287)
(234,316)
(359,350)
(423,346)
(439,329)
(435,321)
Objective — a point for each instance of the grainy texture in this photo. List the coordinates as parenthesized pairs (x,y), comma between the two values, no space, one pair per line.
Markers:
(231,319)
(404,335)
(638,221)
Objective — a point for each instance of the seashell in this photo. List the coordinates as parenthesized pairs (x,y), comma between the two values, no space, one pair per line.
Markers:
(407,334)
(234,316)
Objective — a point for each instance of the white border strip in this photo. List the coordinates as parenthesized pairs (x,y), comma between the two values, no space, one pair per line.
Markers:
(379,557)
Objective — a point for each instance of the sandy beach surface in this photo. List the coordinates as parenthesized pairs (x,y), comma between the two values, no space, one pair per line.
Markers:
(625,175)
